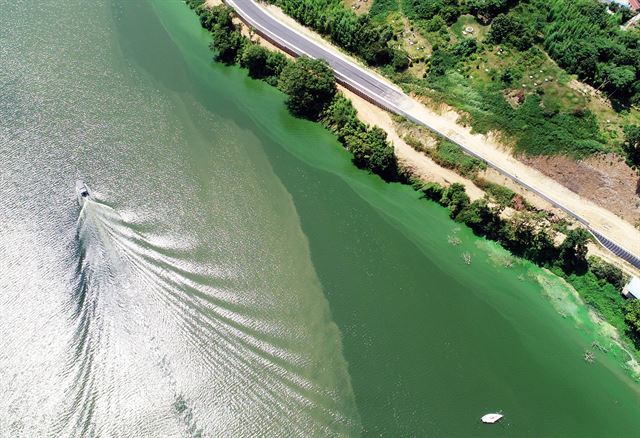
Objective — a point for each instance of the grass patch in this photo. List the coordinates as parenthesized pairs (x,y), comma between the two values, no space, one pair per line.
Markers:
(602,296)
(381,8)
(501,195)
(449,155)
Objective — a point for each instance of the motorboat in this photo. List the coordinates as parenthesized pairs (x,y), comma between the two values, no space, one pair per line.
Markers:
(491,418)
(82,191)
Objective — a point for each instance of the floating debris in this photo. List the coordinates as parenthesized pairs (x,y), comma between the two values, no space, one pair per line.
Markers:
(466,256)
(454,240)
(589,357)
(595,345)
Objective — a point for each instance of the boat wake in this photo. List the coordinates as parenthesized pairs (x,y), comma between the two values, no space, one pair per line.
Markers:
(155,337)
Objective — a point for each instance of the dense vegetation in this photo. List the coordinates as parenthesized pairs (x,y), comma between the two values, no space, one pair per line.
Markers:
(310,87)
(578,34)
(535,127)
(597,281)
(357,34)
(501,76)
(369,146)
(587,41)
(521,235)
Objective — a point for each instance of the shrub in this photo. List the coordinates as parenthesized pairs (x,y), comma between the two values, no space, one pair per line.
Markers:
(607,272)
(432,191)
(254,58)
(455,198)
(381,8)
(449,155)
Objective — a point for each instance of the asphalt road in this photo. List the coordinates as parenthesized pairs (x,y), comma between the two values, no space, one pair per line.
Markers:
(382,93)
(347,72)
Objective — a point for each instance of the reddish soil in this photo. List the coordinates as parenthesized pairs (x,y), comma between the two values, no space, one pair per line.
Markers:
(603,179)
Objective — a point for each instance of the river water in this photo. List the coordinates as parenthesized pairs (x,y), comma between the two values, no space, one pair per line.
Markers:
(235,275)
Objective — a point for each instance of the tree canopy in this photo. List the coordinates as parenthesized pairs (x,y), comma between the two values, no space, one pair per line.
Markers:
(632,318)
(310,86)
(254,59)
(631,144)
(510,29)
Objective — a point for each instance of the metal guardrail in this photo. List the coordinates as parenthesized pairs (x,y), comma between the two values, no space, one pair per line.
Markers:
(617,249)
(387,105)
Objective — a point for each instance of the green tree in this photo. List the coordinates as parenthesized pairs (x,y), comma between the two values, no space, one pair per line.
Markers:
(573,251)
(607,272)
(542,249)
(487,10)
(476,215)
(371,151)
(276,62)
(632,318)
(341,118)
(227,44)
(227,40)
(507,76)
(217,17)
(400,61)
(310,85)
(448,10)
(455,199)
(631,144)
(382,161)
(433,191)
(615,77)
(254,58)
(509,29)
(435,24)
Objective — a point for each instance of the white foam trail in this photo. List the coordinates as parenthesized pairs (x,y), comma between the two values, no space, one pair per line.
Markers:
(134,300)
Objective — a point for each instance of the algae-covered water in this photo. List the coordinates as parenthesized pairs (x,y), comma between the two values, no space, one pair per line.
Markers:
(235,275)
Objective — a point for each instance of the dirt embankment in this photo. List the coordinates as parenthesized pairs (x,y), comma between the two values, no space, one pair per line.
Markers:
(605,179)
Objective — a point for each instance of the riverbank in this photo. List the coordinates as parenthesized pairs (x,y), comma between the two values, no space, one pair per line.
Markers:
(445,120)
(492,211)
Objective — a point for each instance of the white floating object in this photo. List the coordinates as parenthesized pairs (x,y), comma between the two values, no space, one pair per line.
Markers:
(491,418)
